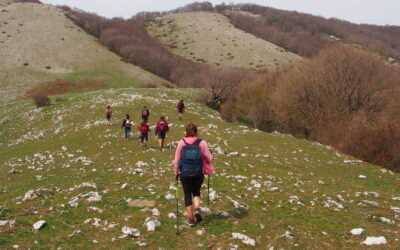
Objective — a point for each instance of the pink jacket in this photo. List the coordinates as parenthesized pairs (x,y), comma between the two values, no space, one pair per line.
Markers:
(208,168)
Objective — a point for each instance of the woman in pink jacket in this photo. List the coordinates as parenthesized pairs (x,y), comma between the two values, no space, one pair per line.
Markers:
(192,161)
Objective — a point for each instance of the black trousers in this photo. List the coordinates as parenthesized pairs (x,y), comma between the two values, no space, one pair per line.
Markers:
(191,188)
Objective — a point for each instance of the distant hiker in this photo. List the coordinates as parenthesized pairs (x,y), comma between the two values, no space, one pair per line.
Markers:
(161,131)
(181,109)
(108,112)
(192,161)
(144,133)
(127,123)
(145,114)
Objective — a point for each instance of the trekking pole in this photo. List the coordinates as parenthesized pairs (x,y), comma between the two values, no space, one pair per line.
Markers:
(177,206)
(208,187)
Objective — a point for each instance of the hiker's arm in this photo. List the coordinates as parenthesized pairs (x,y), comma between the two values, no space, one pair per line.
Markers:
(207,155)
(178,157)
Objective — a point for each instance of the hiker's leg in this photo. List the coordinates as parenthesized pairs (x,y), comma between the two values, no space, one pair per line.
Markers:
(187,190)
(196,186)
(128,133)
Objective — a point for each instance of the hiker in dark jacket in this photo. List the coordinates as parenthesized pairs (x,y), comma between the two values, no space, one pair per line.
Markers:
(161,131)
(181,109)
(191,172)
(108,112)
(127,124)
(145,114)
(144,133)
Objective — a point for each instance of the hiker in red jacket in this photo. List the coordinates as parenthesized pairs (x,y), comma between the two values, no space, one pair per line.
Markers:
(108,112)
(161,131)
(181,109)
(144,134)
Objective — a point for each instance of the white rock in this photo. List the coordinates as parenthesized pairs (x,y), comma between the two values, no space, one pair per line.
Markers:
(123,186)
(30,195)
(92,197)
(172,215)
(87,184)
(362,177)
(375,241)
(288,235)
(38,225)
(131,231)
(155,212)
(357,231)
(151,224)
(200,232)
(245,239)
(10,223)
(396,198)
(169,196)
(233,154)
(141,164)
(386,220)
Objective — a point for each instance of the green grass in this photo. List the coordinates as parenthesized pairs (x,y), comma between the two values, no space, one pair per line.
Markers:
(295,166)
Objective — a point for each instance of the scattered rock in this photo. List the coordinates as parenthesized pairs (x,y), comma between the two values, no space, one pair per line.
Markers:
(362,177)
(151,224)
(130,231)
(10,223)
(39,225)
(245,239)
(375,241)
(357,231)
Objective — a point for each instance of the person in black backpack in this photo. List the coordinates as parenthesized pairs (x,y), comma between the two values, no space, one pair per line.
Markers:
(181,109)
(127,124)
(145,114)
(161,131)
(144,133)
(192,161)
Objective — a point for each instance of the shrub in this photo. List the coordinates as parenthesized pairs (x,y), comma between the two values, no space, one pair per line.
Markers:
(41,100)
(379,145)
(148,85)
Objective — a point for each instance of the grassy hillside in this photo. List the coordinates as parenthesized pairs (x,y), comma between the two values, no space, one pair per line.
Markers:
(39,44)
(280,191)
(210,38)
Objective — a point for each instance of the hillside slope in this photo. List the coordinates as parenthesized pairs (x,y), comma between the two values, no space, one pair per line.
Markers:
(38,43)
(209,37)
(278,190)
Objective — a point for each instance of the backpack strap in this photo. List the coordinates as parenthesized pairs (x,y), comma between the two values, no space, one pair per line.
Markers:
(197,142)
(185,142)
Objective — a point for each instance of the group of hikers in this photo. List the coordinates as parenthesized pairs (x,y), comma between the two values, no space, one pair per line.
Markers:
(161,128)
(193,158)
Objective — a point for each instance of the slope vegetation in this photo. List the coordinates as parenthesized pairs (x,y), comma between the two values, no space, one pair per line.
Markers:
(210,38)
(38,44)
(77,174)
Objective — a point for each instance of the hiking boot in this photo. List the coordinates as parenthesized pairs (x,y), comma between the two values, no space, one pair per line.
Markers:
(198,215)
(190,222)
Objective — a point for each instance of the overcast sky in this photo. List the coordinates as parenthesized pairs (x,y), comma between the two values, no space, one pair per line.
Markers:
(380,12)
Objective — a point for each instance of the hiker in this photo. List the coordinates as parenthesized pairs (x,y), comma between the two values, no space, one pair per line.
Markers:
(192,161)
(144,134)
(181,109)
(145,114)
(108,112)
(127,124)
(161,131)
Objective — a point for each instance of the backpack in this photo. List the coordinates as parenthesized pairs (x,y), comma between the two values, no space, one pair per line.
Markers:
(191,163)
(144,129)
(108,111)
(145,112)
(180,105)
(128,124)
(162,126)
